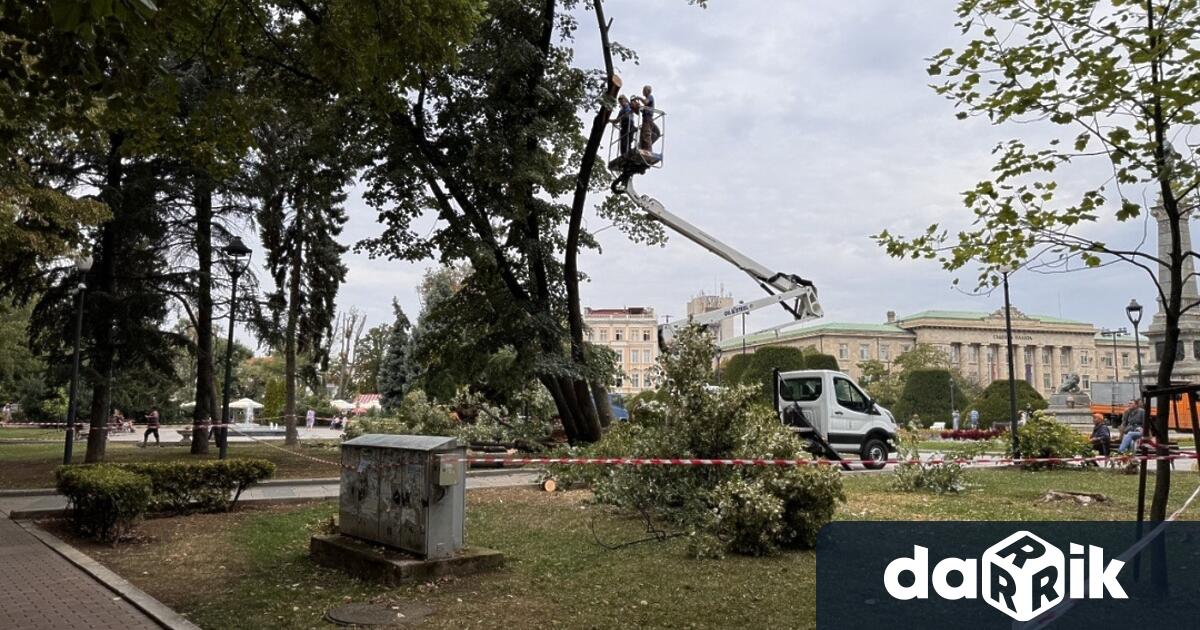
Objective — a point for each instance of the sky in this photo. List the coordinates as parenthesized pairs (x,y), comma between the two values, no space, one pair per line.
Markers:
(794,131)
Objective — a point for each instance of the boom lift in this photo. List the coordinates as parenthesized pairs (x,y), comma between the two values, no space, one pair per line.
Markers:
(795,294)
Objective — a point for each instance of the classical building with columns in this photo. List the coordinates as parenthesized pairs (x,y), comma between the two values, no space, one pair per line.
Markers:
(1047,348)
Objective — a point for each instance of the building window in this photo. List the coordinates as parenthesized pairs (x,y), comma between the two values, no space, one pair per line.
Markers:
(904,347)
(1065,356)
(603,335)
(634,380)
(1084,358)
(589,335)
(885,352)
(1047,356)
(633,357)
(864,351)
(991,354)
(974,353)
(955,352)
(1124,359)
(646,335)
(1108,359)
(620,356)
(1046,382)
(618,334)
(1087,381)
(843,351)
(620,381)
(1028,356)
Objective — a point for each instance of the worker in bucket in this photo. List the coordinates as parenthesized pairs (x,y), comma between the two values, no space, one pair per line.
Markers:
(624,123)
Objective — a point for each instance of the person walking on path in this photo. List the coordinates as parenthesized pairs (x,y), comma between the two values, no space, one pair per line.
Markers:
(974,418)
(151,427)
(7,412)
(1132,423)
(310,419)
(954,418)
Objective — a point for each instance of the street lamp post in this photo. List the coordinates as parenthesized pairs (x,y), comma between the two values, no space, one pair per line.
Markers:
(1116,376)
(1012,372)
(743,330)
(83,264)
(237,259)
(1134,312)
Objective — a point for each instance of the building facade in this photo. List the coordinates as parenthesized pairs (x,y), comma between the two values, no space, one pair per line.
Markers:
(632,333)
(705,303)
(1047,349)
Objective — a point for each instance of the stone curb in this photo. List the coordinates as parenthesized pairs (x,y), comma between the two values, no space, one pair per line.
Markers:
(156,610)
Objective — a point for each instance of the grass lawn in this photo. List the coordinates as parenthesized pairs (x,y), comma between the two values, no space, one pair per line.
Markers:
(30,433)
(250,569)
(32,465)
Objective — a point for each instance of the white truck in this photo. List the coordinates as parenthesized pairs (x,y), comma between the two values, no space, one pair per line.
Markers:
(831,412)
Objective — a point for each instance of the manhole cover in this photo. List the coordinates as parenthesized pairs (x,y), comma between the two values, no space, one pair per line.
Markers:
(377,615)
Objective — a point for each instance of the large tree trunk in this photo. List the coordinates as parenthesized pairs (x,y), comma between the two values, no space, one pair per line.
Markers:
(289,353)
(104,278)
(206,392)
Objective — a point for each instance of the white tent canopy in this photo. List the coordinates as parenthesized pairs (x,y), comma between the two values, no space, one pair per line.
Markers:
(245,403)
(341,405)
(188,405)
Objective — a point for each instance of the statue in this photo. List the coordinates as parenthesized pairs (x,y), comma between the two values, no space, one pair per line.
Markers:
(1070,385)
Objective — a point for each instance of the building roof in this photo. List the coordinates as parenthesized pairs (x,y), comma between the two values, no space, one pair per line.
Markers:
(982,315)
(809,331)
(1124,338)
(628,311)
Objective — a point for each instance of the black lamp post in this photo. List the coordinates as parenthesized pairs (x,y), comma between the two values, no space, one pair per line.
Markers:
(743,329)
(83,264)
(1134,312)
(237,260)
(1012,372)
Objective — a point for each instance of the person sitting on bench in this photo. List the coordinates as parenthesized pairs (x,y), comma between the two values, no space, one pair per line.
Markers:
(1131,425)
(1100,435)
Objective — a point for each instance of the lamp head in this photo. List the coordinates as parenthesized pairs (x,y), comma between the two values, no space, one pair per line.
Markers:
(83,262)
(236,249)
(1134,312)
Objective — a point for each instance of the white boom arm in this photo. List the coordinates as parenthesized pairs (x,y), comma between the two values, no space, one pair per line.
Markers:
(794,293)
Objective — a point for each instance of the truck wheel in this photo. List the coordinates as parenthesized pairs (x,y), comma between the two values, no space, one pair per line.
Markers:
(874,454)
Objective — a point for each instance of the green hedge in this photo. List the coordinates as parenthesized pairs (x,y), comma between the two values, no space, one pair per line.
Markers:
(106,499)
(180,487)
(993,405)
(765,361)
(732,370)
(820,361)
(104,502)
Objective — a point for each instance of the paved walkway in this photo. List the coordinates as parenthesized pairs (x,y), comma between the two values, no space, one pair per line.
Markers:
(277,490)
(42,591)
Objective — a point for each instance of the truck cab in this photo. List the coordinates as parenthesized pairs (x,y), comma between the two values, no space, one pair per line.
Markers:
(835,416)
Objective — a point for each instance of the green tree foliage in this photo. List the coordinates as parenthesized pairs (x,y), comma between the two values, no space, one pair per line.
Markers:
(369,354)
(993,404)
(273,398)
(1109,85)
(395,371)
(747,510)
(927,394)
(22,373)
(885,383)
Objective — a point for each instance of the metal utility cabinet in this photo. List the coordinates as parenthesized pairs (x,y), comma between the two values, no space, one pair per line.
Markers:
(404,491)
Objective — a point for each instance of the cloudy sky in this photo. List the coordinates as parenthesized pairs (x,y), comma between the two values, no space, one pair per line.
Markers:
(795,130)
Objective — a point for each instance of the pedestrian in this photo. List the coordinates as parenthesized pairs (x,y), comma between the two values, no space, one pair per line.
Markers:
(151,427)
(7,413)
(310,419)
(1132,423)
(954,417)
(624,123)
(974,418)
(1100,435)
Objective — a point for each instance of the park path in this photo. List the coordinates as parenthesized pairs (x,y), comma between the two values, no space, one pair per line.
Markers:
(40,590)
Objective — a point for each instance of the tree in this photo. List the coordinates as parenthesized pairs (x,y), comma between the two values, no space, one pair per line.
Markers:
(22,373)
(1111,85)
(927,394)
(993,403)
(732,370)
(369,353)
(820,361)
(885,382)
(394,370)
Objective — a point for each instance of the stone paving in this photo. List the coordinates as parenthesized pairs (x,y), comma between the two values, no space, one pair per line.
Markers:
(42,591)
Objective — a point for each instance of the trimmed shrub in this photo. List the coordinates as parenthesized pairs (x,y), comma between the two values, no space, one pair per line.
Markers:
(927,395)
(914,474)
(181,487)
(765,361)
(732,370)
(820,361)
(993,405)
(1044,436)
(104,502)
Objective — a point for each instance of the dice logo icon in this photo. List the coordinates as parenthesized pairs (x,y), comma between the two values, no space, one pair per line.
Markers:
(1023,576)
